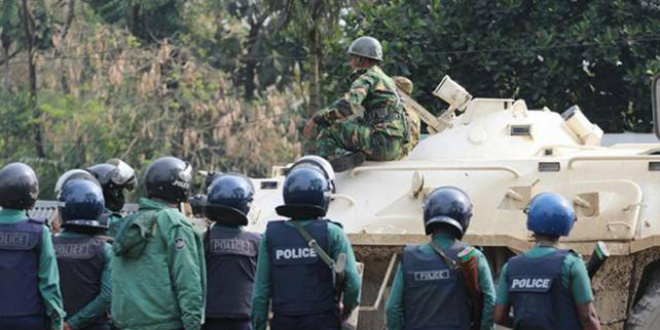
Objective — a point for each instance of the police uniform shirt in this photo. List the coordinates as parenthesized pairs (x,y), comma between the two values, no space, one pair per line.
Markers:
(574,277)
(338,243)
(100,305)
(394,308)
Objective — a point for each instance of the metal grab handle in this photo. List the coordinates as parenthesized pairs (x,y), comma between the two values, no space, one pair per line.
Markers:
(383,285)
(347,198)
(578,159)
(609,225)
(507,169)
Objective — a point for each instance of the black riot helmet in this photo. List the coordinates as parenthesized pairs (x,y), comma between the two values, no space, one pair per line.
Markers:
(450,206)
(169,179)
(229,199)
(19,187)
(114,176)
(82,204)
(68,176)
(306,193)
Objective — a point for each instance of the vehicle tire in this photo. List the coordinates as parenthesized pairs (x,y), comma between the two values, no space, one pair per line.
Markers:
(644,315)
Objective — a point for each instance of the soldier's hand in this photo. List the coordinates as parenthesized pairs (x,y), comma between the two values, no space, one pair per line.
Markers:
(310,129)
(66,326)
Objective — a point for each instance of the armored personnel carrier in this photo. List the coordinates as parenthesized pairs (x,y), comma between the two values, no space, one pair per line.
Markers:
(502,154)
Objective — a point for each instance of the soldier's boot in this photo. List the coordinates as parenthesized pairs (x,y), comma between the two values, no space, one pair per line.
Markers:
(348,161)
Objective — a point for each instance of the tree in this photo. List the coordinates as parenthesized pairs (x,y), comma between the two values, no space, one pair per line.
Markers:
(10,23)
(599,54)
(150,20)
(315,21)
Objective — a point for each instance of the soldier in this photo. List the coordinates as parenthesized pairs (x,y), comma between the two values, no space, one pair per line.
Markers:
(547,287)
(160,257)
(383,132)
(30,296)
(434,287)
(405,85)
(231,254)
(83,257)
(115,176)
(295,271)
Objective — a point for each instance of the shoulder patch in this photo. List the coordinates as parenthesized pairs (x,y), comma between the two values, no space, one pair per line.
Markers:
(179,243)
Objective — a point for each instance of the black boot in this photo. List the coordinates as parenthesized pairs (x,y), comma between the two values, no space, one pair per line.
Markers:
(348,161)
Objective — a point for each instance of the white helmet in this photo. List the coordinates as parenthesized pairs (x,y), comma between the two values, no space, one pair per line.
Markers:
(319,162)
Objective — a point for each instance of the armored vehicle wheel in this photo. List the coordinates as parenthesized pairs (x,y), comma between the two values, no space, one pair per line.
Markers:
(644,315)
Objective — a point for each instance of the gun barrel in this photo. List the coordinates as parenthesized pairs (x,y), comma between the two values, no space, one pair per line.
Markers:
(598,257)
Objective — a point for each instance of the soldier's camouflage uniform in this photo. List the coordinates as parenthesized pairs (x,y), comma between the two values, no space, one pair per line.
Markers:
(405,85)
(382,132)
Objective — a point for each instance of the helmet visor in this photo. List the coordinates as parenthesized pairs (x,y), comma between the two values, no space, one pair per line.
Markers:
(186,174)
(124,175)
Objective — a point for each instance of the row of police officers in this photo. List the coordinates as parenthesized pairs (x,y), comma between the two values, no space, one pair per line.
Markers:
(153,271)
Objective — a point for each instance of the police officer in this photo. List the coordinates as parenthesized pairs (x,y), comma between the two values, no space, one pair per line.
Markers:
(83,257)
(30,296)
(431,290)
(547,287)
(160,257)
(382,133)
(231,254)
(296,278)
(115,176)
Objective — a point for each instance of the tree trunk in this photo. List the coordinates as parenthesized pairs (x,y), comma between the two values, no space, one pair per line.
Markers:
(314,67)
(249,74)
(28,23)
(5,55)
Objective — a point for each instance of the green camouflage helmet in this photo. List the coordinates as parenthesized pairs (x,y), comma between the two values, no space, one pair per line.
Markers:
(366,47)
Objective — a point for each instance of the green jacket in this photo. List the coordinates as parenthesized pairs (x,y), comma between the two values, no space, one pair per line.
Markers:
(101,303)
(160,273)
(376,92)
(338,243)
(49,276)
(394,308)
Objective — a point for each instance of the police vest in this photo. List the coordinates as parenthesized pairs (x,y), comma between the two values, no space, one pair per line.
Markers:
(20,248)
(435,295)
(302,284)
(80,262)
(538,298)
(231,263)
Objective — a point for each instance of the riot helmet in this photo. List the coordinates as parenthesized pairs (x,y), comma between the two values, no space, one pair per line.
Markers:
(19,187)
(229,199)
(550,214)
(322,164)
(450,206)
(367,47)
(169,179)
(82,204)
(69,176)
(114,176)
(306,193)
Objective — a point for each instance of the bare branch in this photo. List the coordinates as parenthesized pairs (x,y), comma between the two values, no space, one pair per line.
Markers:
(69,18)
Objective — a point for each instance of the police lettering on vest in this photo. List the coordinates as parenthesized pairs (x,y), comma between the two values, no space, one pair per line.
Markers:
(73,251)
(531,284)
(233,246)
(432,275)
(14,240)
(295,253)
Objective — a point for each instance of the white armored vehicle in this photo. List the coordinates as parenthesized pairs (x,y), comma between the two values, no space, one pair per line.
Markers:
(502,154)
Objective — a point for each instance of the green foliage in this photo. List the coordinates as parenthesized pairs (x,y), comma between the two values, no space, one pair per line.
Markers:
(599,54)
(150,20)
